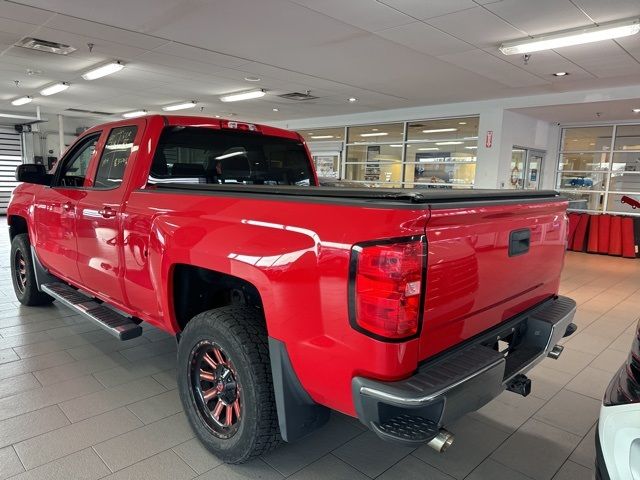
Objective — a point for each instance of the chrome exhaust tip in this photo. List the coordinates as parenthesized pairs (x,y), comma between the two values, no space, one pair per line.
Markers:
(555,352)
(442,441)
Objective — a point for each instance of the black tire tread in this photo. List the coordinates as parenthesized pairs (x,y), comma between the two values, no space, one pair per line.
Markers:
(31,297)
(246,325)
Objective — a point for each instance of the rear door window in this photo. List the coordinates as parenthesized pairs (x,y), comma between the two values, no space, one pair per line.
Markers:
(202,155)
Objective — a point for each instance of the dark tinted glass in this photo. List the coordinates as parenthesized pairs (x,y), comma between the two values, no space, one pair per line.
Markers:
(202,155)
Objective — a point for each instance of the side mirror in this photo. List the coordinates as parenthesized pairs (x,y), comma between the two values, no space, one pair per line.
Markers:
(33,173)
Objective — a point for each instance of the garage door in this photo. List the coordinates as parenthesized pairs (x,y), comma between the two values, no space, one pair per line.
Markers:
(10,158)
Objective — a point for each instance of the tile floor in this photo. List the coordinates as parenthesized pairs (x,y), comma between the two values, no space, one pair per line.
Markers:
(77,404)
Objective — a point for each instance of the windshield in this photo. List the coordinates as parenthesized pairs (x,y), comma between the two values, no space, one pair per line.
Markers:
(202,155)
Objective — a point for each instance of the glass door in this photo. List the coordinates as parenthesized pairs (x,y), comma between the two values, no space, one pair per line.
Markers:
(533,172)
(526,168)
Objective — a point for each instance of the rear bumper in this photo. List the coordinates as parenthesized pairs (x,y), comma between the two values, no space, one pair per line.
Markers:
(462,379)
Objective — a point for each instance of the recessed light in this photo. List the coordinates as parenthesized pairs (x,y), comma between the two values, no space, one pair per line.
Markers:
(353,99)
(134,114)
(236,97)
(440,130)
(636,110)
(103,70)
(217,116)
(462,123)
(449,143)
(252,79)
(376,134)
(55,88)
(21,101)
(561,74)
(275,109)
(180,106)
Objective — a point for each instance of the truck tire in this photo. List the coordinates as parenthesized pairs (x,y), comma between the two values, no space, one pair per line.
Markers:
(224,380)
(22,273)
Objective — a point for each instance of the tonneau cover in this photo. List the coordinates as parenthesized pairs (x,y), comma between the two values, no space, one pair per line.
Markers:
(439,195)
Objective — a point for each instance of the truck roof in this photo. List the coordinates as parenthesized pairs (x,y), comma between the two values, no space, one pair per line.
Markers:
(207,122)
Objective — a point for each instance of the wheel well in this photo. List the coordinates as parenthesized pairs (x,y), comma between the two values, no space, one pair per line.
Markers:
(17,225)
(197,290)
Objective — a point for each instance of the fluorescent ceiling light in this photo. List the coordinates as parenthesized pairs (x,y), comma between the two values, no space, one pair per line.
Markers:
(462,123)
(636,110)
(396,146)
(470,138)
(134,114)
(275,109)
(428,149)
(440,130)
(103,70)
(236,97)
(353,99)
(449,143)
(252,79)
(321,137)
(472,147)
(232,154)
(21,101)
(561,74)
(55,88)
(575,36)
(180,106)
(376,134)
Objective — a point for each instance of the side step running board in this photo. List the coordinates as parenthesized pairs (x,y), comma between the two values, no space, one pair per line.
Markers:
(116,324)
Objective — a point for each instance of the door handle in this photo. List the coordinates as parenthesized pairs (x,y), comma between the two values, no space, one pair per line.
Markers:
(107,212)
(67,206)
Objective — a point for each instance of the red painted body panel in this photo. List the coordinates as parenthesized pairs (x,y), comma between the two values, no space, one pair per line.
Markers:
(296,253)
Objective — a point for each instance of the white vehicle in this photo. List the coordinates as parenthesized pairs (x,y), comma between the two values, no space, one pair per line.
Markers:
(618,435)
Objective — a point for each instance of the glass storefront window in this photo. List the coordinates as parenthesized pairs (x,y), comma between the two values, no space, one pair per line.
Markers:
(586,165)
(584,162)
(582,181)
(585,201)
(379,165)
(587,139)
(391,132)
(450,129)
(628,137)
(323,135)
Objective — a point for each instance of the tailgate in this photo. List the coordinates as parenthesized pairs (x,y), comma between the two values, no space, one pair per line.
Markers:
(479,269)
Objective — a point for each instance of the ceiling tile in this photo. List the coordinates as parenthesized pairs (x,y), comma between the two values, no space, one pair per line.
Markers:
(610,10)
(201,55)
(104,32)
(492,67)
(366,14)
(477,26)
(545,64)
(540,16)
(422,9)
(425,38)
(25,14)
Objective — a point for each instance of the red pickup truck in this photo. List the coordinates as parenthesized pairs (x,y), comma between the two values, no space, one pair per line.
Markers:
(405,308)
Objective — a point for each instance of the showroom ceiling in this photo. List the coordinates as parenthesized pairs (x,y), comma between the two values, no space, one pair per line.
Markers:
(387,54)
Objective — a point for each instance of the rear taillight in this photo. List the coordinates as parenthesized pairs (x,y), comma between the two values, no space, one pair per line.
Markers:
(386,288)
(625,386)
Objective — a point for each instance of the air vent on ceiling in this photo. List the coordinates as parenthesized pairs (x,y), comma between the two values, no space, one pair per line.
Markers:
(92,112)
(45,46)
(298,96)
